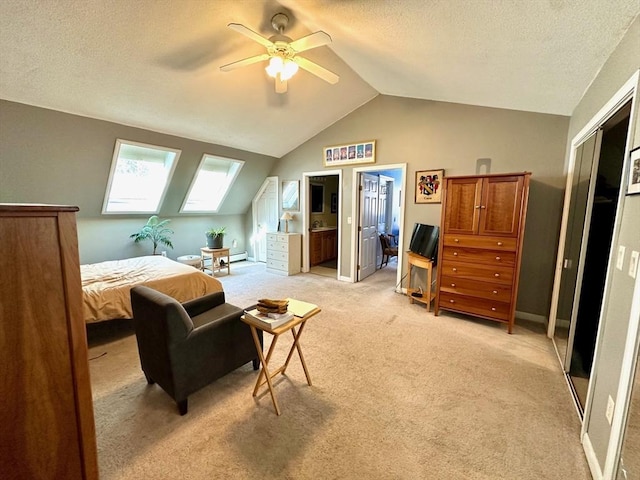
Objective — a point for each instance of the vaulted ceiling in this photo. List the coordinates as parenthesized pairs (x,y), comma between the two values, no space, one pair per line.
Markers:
(155,63)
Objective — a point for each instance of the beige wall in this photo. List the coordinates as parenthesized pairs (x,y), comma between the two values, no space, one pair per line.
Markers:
(54,157)
(432,135)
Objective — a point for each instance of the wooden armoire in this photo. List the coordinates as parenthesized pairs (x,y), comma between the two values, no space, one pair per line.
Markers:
(483,219)
(47,428)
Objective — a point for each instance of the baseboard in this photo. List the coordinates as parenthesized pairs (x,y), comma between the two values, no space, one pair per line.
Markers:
(590,453)
(344,279)
(238,257)
(532,317)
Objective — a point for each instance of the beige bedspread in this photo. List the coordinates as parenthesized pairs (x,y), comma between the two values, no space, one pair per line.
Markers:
(106,285)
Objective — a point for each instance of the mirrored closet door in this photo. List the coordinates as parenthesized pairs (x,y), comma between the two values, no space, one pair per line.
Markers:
(593,202)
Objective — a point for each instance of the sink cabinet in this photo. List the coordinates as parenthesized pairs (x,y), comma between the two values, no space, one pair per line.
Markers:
(323,246)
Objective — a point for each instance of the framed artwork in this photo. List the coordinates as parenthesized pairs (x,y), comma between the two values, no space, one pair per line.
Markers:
(361,152)
(429,186)
(290,196)
(634,172)
(334,203)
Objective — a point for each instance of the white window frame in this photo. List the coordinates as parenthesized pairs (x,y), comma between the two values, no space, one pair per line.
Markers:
(114,163)
(230,181)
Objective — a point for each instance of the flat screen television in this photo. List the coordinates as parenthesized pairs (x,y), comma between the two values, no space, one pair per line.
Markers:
(424,241)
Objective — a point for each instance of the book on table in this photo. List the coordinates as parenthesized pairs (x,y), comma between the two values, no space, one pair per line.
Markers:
(271,320)
(300,308)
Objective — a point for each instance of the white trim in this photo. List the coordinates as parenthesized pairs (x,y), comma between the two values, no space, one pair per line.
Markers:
(592,460)
(625,386)
(354,214)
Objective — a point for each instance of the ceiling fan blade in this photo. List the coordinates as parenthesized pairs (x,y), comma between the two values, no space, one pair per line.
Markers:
(256,37)
(317,70)
(243,63)
(313,40)
(281,85)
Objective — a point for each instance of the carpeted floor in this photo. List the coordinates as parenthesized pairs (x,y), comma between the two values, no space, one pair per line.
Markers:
(397,394)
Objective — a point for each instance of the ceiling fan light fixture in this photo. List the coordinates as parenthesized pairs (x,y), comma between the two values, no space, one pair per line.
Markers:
(286,68)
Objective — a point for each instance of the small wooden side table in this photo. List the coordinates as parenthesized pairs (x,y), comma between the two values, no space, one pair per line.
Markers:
(415,260)
(216,253)
(266,375)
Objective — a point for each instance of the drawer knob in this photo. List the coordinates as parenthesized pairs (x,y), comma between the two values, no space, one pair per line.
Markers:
(495,292)
(496,275)
(456,240)
(452,301)
(455,254)
(493,309)
(477,206)
(454,269)
(453,285)
(498,258)
(499,244)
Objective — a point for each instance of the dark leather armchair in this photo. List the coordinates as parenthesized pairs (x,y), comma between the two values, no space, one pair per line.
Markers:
(387,249)
(184,347)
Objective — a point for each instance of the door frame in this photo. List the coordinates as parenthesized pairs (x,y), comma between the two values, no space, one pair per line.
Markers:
(355,211)
(254,212)
(627,92)
(306,216)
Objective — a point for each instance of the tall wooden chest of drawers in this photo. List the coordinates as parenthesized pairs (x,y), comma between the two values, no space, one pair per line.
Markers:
(483,220)
(47,429)
(284,253)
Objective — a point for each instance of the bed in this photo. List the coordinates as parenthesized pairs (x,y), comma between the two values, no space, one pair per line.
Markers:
(106,285)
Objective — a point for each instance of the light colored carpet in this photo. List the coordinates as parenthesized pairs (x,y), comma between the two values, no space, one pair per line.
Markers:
(397,394)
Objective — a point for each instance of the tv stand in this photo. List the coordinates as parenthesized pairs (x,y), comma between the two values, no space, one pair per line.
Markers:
(415,260)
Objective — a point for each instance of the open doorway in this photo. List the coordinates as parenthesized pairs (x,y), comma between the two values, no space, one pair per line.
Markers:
(378,210)
(321,201)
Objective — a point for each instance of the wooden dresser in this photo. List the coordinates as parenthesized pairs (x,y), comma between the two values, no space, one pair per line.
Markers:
(284,253)
(483,219)
(48,429)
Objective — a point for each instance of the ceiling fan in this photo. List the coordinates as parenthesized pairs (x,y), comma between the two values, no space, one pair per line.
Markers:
(282,53)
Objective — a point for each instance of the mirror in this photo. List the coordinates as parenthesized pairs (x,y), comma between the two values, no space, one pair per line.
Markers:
(317,198)
(290,196)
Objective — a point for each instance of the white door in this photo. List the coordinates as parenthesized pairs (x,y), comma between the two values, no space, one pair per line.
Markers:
(368,225)
(266,217)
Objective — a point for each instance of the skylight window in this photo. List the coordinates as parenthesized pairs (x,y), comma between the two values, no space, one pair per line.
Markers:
(211,184)
(139,177)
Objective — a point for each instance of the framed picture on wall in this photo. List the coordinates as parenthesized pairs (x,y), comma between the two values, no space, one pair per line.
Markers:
(429,186)
(334,203)
(634,172)
(360,152)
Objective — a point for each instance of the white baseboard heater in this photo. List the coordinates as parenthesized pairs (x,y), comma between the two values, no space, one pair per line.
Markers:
(238,257)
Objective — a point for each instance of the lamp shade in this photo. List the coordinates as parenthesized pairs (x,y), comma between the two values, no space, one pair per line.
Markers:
(286,216)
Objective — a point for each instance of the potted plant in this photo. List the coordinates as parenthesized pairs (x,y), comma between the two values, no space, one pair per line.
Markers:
(215,237)
(156,231)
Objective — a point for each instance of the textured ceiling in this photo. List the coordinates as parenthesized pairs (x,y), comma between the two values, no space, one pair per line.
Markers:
(154,63)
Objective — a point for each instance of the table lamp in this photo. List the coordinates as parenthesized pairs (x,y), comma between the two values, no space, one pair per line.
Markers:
(286,216)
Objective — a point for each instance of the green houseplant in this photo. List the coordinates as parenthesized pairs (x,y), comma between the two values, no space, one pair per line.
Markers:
(156,231)
(215,237)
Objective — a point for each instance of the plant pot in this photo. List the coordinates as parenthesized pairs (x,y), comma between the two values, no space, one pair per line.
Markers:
(214,241)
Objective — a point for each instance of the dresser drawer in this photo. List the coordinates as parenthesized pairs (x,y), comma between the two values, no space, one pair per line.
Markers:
(272,237)
(479,241)
(477,255)
(475,306)
(277,246)
(482,273)
(277,255)
(277,264)
(473,288)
